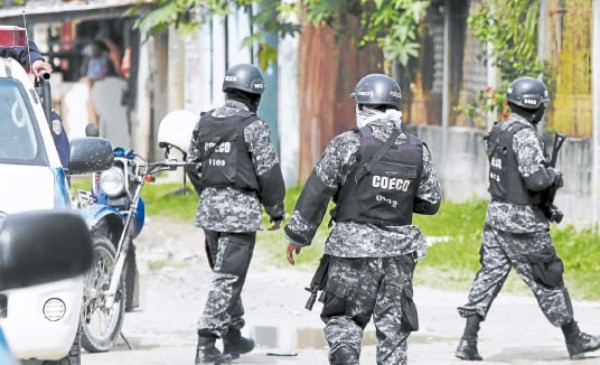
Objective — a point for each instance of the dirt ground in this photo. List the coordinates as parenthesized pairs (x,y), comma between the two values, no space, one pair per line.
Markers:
(175,279)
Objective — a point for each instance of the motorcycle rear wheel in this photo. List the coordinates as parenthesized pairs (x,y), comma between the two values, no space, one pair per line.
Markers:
(100,327)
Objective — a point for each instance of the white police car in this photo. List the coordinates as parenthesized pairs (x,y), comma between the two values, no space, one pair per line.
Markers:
(40,323)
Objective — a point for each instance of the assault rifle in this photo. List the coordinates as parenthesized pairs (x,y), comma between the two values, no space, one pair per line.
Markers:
(550,210)
(318,281)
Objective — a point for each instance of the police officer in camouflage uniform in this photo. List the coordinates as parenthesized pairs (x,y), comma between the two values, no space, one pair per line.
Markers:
(234,168)
(374,243)
(516,232)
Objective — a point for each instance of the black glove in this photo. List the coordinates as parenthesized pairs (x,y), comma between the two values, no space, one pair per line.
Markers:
(558,178)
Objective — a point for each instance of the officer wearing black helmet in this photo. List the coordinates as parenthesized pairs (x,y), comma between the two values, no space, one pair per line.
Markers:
(234,169)
(378,176)
(516,232)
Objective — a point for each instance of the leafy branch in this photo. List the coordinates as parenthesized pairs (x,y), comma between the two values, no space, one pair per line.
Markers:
(511,27)
(390,24)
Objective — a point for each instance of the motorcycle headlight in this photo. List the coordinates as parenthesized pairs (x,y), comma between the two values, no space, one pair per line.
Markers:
(112,182)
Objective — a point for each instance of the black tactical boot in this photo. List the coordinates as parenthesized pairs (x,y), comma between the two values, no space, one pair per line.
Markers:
(207,353)
(578,343)
(467,347)
(344,355)
(234,344)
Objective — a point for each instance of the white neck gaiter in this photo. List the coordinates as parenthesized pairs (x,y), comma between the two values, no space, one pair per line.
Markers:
(369,115)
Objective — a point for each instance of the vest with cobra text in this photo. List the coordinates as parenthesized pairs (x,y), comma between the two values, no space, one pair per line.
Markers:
(226,161)
(506,183)
(385,195)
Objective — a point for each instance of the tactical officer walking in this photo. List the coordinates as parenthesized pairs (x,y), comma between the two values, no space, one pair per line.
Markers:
(378,176)
(234,168)
(516,232)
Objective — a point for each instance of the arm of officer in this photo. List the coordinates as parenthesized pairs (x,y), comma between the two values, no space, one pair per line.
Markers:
(194,160)
(429,196)
(321,186)
(268,171)
(531,161)
(34,56)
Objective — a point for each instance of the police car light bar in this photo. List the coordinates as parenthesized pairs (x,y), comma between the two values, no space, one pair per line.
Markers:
(11,36)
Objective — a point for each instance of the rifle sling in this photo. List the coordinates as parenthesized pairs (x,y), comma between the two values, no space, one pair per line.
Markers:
(367,167)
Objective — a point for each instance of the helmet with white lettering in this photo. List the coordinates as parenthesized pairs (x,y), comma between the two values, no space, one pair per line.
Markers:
(244,77)
(527,93)
(378,89)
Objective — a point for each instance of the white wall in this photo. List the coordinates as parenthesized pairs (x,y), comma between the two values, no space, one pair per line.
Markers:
(288,119)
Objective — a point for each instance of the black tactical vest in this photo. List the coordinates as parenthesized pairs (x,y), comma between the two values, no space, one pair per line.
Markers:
(385,195)
(506,183)
(226,161)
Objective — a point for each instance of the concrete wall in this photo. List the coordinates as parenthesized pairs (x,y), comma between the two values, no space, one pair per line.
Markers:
(463,167)
(288,118)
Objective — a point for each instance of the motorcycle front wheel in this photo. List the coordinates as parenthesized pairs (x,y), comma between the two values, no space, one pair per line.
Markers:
(100,325)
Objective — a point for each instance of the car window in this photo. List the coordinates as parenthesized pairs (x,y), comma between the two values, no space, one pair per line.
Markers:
(19,139)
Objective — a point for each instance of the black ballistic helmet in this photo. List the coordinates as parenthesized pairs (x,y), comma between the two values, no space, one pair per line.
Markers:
(244,77)
(378,89)
(527,93)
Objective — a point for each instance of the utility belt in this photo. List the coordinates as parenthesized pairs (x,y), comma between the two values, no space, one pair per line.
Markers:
(550,211)
(500,200)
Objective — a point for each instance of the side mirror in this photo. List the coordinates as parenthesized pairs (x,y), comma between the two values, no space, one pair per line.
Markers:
(44,246)
(90,155)
(91,131)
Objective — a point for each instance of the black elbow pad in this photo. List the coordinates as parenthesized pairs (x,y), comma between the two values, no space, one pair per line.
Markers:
(272,187)
(539,180)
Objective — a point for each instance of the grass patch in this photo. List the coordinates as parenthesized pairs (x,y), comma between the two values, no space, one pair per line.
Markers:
(160,199)
(449,265)
(157,265)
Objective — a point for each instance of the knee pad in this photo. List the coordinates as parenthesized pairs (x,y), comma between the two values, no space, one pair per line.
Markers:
(344,355)
(547,268)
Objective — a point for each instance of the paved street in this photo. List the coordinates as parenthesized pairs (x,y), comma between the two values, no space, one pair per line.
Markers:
(175,279)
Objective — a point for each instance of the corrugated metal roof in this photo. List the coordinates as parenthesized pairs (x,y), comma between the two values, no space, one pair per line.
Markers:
(70,11)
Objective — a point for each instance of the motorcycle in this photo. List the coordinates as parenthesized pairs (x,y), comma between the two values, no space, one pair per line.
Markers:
(112,283)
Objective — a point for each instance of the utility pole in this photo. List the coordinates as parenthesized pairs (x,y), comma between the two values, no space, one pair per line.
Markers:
(595,110)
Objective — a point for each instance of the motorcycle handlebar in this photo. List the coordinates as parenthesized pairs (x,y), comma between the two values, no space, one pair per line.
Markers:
(168,163)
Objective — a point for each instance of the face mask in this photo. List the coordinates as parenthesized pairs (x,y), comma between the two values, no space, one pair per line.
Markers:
(539,114)
(365,115)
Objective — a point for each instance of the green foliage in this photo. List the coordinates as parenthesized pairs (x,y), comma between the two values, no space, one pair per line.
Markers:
(511,27)
(487,100)
(391,24)
(187,15)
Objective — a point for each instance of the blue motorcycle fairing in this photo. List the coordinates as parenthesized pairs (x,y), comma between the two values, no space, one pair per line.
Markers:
(5,355)
(96,212)
(121,152)
(61,192)
(140,216)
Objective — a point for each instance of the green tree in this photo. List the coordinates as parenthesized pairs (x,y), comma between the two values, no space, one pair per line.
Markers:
(391,24)
(511,27)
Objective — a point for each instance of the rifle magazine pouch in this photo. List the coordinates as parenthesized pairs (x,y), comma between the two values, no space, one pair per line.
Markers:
(410,316)
(237,254)
(334,303)
(547,267)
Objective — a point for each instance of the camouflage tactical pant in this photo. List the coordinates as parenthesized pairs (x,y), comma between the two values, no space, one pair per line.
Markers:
(229,256)
(501,251)
(360,288)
